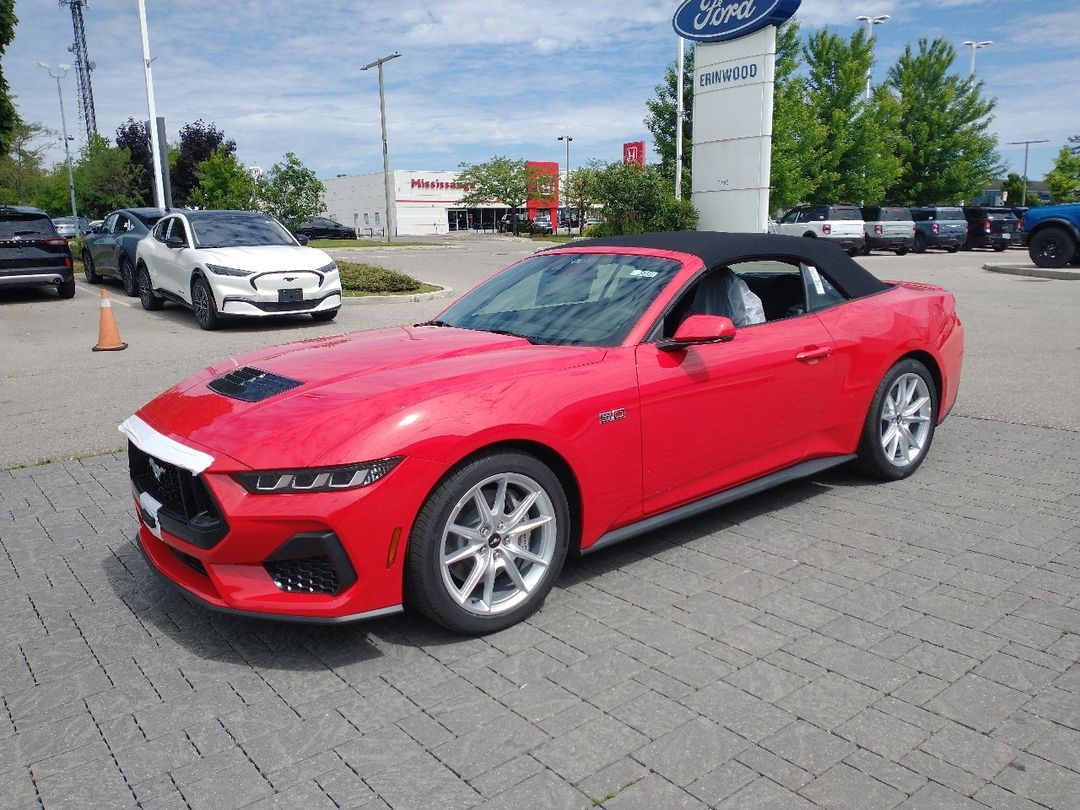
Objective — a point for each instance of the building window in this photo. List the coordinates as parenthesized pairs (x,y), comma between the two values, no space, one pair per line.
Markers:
(376,217)
(365,218)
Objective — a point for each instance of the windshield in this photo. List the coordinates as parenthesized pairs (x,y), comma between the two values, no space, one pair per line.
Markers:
(244,230)
(576,299)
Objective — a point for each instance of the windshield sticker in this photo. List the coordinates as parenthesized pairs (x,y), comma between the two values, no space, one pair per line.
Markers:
(643,274)
(816,279)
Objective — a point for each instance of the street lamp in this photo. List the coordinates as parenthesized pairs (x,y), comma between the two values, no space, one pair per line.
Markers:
(385,155)
(974,47)
(155,141)
(1026,144)
(870,23)
(567,138)
(67,150)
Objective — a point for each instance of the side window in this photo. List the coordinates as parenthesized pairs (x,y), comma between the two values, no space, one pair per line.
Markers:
(161,229)
(123,224)
(109,225)
(178,229)
(820,292)
(777,286)
(790,216)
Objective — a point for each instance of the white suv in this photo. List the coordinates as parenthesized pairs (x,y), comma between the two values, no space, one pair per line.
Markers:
(841,224)
(234,263)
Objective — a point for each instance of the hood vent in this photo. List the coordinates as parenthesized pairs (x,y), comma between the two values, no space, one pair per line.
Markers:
(252,385)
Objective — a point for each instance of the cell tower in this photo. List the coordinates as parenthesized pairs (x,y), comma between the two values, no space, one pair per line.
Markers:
(83,66)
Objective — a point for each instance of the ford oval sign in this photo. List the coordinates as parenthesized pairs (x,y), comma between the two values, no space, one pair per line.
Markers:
(722,20)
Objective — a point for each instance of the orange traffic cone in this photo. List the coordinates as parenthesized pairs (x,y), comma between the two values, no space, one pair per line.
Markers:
(108,335)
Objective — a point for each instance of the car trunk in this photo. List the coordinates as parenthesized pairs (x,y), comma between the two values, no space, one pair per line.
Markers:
(28,244)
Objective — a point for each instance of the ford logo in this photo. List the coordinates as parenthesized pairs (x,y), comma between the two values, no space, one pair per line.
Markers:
(722,20)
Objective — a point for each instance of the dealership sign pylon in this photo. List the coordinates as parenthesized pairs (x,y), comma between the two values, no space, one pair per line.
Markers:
(734,72)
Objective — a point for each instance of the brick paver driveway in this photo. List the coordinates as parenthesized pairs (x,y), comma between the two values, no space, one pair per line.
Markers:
(833,643)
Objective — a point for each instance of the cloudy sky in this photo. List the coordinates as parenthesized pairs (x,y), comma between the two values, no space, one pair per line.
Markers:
(477,78)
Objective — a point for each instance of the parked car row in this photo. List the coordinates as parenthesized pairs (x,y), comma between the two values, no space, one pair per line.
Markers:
(900,229)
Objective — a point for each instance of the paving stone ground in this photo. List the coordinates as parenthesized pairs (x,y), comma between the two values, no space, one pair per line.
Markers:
(833,643)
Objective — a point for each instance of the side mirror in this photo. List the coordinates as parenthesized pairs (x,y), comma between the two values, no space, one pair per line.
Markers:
(175,242)
(699,329)
(303,240)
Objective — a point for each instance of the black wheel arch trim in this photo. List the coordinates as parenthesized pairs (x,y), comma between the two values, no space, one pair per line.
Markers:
(1052,222)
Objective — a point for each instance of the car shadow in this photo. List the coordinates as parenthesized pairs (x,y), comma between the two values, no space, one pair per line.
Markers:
(181,316)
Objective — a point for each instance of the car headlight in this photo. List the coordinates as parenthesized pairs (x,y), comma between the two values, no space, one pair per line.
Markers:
(219,270)
(326,269)
(317,479)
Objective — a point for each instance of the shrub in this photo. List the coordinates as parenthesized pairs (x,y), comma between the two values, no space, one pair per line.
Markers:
(370,278)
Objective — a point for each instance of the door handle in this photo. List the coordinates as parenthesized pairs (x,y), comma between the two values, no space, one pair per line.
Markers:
(811,355)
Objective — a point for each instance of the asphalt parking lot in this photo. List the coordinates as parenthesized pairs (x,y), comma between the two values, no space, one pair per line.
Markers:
(833,643)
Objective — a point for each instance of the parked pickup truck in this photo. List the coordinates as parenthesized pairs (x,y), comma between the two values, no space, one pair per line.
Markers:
(1053,234)
(840,224)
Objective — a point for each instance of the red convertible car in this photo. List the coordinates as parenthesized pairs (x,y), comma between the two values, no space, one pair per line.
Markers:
(582,396)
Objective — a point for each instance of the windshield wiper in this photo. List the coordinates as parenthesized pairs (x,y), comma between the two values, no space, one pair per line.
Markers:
(531,340)
(434,323)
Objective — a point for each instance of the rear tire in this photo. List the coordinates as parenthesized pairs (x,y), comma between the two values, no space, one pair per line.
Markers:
(1052,247)
(998,247)
(495,512)
(952,248)
(900,424)
(150,300)
(901,251)
(920,243)
(88,267)
(66,289)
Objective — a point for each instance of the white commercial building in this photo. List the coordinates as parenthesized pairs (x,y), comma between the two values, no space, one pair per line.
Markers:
(423,202)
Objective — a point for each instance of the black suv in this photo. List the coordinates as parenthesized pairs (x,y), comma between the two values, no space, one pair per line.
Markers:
(32,253)
(989,226)
(322,228)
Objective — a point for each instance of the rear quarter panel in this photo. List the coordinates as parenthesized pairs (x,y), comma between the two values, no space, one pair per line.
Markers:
(869,336)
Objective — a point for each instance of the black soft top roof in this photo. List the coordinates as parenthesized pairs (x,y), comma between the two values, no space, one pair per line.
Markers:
(716,249)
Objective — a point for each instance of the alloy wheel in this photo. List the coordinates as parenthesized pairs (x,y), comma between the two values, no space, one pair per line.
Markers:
(498,543)
(905,420)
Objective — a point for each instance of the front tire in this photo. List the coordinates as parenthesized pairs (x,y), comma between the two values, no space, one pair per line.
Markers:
(202,302)
(128,278)
(150,300)
(489,543)
(900,425)
(1051,247)
(88,267)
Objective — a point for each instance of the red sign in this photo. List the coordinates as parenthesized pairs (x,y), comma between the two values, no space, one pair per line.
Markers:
(634,152)
(543,189)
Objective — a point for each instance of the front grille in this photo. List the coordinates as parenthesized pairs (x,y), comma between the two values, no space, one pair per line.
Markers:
(251,384)
(187,508)
(305,575)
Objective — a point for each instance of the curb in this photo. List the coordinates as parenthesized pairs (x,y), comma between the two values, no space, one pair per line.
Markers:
(1034,272)
(445,292)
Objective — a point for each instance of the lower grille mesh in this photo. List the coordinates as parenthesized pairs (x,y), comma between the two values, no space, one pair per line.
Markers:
(305,575)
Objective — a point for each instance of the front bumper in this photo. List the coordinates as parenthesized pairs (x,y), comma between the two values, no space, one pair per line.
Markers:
(277,292)
(261,564)
(263,305)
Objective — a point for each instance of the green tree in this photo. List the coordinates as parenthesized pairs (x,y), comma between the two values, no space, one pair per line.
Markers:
(859,162)
(133,136)
(582,191)
(663,117)
(1013,188)
(9,118)
(22,168)
(638,199)
(223,183)
(499,180)
(1064,177)
(290,190)
(104,179)
(945,148)
(798,138)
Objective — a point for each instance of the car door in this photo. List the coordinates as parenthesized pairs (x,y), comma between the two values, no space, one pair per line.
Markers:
(716,415)
(787,224)
(102,247)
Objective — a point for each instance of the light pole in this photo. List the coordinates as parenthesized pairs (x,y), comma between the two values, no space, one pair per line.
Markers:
(1026,144)
(67,150)
(679,113)
(155,145)
(567,138)
(974,47)
(870,23)
(385,155)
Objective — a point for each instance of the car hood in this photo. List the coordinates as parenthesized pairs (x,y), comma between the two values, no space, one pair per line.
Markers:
(266,258)
(361,396)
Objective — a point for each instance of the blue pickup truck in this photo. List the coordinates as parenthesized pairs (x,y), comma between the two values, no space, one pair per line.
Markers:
(1053,234)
